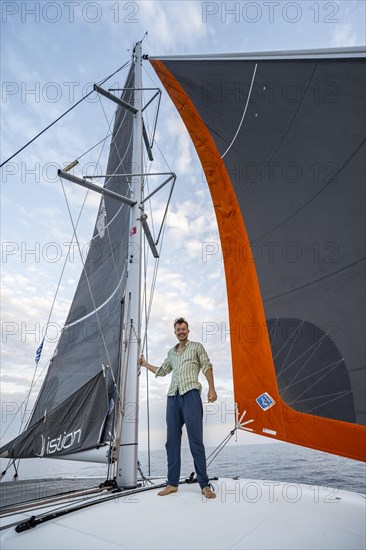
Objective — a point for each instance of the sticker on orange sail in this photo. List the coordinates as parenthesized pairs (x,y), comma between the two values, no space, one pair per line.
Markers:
(268,431)
(265,401)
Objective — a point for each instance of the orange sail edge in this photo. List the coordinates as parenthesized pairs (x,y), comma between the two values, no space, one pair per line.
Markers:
(314,432)
(255,384)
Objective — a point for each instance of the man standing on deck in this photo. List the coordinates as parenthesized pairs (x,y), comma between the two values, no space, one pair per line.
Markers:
(184,405)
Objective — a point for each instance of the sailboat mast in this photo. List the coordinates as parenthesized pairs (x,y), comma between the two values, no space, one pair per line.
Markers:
(127,461)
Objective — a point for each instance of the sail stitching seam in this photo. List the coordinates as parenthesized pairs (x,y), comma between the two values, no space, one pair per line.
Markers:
(338,394)
(311,375)
(333,365)
(316,346)
(298,331)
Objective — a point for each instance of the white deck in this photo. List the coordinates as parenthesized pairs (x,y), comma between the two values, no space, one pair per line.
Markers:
(247,514)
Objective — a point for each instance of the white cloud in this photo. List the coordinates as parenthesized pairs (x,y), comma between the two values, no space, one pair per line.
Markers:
(205,302)
(344,35)
(172,24)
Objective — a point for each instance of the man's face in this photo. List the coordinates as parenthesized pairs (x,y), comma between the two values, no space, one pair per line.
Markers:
(181,331)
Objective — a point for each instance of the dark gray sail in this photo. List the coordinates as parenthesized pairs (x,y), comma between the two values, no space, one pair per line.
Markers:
(282,142)
(89,342)
(69,427)
(297,166)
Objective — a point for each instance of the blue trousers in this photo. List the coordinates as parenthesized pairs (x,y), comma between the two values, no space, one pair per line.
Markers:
(185,409)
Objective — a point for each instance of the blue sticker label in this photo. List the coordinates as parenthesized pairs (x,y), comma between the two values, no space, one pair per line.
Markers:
(265,401)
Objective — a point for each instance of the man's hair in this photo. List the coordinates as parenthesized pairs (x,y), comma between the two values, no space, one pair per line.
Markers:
(179,321)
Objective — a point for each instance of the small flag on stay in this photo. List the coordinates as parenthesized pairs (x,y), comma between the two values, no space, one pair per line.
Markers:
(38,352)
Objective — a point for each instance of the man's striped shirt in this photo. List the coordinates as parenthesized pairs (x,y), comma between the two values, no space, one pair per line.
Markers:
(185,367)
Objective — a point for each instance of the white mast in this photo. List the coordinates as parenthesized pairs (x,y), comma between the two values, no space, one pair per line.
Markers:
(130,352)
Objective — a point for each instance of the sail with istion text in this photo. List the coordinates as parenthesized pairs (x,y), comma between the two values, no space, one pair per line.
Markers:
(74,409)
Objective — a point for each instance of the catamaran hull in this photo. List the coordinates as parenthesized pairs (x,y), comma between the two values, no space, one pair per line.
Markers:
(246,514)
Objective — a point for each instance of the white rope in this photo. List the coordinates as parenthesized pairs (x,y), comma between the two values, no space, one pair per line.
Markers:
(244,113)
(99,307)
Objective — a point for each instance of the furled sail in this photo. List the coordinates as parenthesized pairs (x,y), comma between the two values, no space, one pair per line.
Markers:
(282,142)
(74,410)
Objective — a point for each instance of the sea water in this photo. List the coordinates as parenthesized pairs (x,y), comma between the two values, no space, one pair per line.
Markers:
(274,462)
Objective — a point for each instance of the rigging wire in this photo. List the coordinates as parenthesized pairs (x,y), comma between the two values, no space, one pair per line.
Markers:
(116,407)
(116,148)
(146,257)
(86,276)
(101,343)
(75,237)
(64,114)
(120,163)
(221,446)
(170,195)
(162,229)
(145,305)
(157,106)
(148,308)
(34,379)
(145,308)
(147,358)
(123,381)
(94,146)
(61,276)
(160,236)
(34,382)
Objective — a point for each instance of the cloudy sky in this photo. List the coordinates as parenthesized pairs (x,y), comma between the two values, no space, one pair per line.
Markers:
(51,52)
